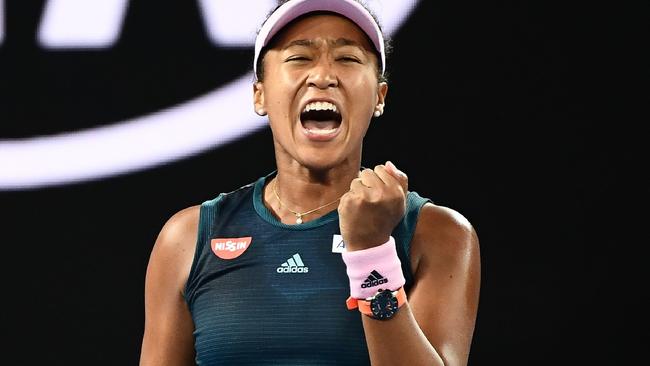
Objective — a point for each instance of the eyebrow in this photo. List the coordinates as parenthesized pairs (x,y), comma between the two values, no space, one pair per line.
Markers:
(341,42)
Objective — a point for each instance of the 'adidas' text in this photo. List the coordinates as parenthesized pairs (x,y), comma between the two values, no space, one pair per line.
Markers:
(375,279)
(293,265)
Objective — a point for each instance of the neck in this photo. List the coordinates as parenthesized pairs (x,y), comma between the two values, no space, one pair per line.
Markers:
(301,189)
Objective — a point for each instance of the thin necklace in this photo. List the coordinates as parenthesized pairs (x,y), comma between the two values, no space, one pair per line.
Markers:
(298,215)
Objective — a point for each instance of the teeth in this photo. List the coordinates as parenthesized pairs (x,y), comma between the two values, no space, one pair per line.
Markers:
(320,106)
(322,132)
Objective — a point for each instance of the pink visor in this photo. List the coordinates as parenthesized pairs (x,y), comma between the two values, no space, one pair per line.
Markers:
(295,8)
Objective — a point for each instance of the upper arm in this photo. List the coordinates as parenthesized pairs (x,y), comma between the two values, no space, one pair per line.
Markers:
(444,297)
(168,338)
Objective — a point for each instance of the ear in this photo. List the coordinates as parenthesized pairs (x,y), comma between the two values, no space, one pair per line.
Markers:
(258,98)
(382,91)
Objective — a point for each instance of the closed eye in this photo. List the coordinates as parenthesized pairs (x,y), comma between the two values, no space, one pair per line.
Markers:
(349,59)
(297,58)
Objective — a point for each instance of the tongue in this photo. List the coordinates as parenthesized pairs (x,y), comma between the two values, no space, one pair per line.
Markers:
(320,125)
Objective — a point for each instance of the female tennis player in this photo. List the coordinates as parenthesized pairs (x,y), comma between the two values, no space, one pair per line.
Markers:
(321,261)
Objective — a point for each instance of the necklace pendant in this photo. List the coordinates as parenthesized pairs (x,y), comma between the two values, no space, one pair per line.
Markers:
(298,219)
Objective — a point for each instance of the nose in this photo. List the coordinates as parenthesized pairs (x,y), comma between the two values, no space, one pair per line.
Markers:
(323,75)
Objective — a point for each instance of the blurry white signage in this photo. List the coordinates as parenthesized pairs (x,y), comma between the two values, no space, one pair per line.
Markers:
(2,21)
(209,121)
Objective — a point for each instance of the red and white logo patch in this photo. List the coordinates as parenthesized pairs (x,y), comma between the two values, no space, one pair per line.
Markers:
(230,248)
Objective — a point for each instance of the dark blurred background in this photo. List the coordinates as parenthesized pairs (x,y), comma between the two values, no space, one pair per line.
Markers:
(523,116)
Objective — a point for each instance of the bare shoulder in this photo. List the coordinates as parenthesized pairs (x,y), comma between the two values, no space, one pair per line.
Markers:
(168,324)
(447,279)
(179,228)
(443,235)
(174,248)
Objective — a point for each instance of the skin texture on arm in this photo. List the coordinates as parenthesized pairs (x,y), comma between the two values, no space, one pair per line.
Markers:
(436,326)
(168,338)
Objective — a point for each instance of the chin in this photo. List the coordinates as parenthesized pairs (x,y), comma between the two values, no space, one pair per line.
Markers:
(319,165)
(319,160)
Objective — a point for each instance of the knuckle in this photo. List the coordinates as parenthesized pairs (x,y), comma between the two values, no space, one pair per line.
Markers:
(345,201)
(375,198)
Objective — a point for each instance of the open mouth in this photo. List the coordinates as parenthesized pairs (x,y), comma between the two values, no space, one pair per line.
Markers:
(321,118)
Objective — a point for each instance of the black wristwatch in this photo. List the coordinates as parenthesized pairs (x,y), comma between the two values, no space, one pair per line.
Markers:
(382,306)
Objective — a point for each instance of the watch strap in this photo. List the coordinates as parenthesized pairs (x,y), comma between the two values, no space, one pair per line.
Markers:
(364,304)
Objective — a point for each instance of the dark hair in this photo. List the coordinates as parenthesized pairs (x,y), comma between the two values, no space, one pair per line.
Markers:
(387,42)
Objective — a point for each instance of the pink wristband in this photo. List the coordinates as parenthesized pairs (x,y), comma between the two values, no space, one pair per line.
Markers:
(372,269)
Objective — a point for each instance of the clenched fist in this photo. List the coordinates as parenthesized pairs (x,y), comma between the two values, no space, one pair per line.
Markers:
(372,208)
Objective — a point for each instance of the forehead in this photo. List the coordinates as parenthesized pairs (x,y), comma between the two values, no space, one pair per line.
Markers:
(326,26)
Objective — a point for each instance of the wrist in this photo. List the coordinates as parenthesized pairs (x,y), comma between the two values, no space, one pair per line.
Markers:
(383,306)
(372,269)
(356,242)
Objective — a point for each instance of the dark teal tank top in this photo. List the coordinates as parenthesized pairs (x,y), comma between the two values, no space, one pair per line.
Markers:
(278,296)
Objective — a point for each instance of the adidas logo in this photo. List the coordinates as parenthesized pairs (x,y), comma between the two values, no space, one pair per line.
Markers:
(293,265)
(375,279)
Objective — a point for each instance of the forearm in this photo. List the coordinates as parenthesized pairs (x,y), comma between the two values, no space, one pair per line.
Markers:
(399,341)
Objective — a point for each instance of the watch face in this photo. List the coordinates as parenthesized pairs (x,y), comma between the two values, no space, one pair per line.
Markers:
(384,305)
